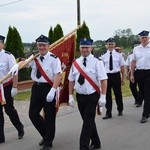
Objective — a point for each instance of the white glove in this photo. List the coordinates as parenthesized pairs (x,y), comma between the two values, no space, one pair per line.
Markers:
(71,101)
(14,92)
(51,95)
(102,100)
(14,70)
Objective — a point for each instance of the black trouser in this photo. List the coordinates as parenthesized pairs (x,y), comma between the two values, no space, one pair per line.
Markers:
(143,78)
(10,111)
(45,125)
(135,91)
(114,81)
(87,107)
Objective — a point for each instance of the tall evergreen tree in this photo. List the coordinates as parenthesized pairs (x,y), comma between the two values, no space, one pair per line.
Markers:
(50,34)
(83,32)
(17,44)
(9,40)
(58,33)
(14,43)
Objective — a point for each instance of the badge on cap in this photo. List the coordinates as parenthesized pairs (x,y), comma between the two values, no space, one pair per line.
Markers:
(86,41)
(110,40)
(144,33)
(43,39)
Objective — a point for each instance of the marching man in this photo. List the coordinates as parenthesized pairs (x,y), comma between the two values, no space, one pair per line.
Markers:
(86,75)
(46,74)
(7,91)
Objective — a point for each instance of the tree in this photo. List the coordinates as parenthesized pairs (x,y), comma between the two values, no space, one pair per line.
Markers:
(50,34)
(58,33)
(14,43)
(82,32)
(15,46)
(9,40)
(125,38)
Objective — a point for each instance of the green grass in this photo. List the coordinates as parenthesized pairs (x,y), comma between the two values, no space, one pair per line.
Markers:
(126,89)
(26,95)
(23,96)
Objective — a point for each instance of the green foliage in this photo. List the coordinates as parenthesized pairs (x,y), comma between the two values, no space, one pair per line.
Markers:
(24,74)
(15,46)
(50,34)
(23,96)
(124,39)
(82,32)
(9,43)
(58,33)
(14,43)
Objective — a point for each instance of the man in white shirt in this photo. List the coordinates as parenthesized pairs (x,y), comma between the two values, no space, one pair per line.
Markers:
(133,86)
(7,60)
(141,61)
(87,96)
(43,93)
(114,66)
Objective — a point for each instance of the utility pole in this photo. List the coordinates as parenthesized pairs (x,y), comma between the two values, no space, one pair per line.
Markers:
(78,13)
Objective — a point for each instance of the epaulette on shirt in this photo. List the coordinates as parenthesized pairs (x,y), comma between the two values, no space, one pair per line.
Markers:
(53,55)
(98,58)
(8,52)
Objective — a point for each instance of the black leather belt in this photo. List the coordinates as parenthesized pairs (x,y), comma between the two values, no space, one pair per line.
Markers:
(41,83)
(113,73)
(146,70)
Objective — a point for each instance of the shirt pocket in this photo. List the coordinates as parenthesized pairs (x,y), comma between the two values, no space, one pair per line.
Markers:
(90,71)
(3,66)
(48,71)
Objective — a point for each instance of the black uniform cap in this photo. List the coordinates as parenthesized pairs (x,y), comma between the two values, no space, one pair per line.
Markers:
(144,33)
(43,39)
(2,38)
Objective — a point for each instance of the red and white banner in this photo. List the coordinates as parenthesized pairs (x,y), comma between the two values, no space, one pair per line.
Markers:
(65,51)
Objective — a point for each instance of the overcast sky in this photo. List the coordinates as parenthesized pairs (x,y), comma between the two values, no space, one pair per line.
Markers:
(103,17)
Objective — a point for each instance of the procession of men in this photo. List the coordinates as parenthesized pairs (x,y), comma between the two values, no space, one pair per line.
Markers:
(92,80)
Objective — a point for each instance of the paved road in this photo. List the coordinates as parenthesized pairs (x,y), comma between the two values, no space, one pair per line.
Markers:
(119,133)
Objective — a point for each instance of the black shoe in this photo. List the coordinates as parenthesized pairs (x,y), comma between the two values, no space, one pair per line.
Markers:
(41,142)
(120,113)
(144,120)
(107,117)
(138,105)
(46,147)
(2,141)
(21,133)
(93,147)
(148,116)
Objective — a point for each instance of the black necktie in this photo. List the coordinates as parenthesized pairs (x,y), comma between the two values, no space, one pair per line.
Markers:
(81,78)
(38,74)
(110,62)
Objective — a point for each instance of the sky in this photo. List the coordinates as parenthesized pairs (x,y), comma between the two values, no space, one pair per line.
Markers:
(103,17)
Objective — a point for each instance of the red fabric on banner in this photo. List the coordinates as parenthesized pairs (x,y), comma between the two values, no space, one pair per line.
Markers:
(65,52)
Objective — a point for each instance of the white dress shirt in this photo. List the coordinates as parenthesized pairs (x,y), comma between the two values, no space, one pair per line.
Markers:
(142,56)
(118,61)
(50,64)
(7,60)
(94,69)
(129,60)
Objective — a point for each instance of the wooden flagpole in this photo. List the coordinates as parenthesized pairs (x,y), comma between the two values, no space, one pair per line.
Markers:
(32,57)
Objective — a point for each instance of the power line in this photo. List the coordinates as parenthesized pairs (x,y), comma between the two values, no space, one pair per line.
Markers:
(10,3)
